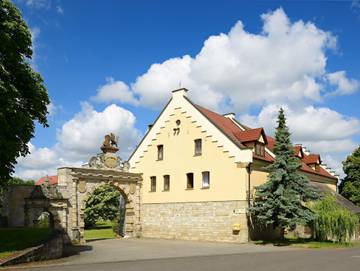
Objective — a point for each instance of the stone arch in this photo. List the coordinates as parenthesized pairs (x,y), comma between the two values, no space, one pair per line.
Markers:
(129,205)
(79,183)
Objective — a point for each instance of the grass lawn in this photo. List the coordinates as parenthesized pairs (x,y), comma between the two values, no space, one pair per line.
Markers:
(307,243)
(15,239)
(102,230)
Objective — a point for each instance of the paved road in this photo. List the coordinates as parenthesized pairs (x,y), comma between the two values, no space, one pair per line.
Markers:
(197,256)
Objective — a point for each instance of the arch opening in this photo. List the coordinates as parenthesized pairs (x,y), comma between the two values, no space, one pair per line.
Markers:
(103,213)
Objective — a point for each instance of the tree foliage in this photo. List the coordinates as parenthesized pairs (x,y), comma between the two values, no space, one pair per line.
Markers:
(103,204)
(350,186)
(280,201)
(333,222)
(24,98)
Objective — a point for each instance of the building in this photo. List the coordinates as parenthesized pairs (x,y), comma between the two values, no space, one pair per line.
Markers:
(200,169)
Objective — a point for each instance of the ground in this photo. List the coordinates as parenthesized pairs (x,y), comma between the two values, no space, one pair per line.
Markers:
(15,239)
(102,230)
(152,254)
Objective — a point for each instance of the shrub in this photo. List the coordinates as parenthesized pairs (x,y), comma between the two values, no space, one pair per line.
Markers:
(103,204)
(333,222)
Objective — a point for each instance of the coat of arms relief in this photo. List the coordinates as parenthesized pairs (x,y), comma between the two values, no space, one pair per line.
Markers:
(108,158)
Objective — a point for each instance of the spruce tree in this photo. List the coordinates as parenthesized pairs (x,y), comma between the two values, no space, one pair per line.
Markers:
(280,201)
(350,186)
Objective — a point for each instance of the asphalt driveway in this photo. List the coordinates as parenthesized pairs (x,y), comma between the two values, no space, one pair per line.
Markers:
(115,250)
(155,255)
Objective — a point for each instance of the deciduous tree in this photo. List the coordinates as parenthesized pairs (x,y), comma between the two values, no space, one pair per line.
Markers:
(24,98)
(350,186)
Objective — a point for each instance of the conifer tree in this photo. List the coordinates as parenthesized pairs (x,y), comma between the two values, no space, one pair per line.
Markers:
(280,201)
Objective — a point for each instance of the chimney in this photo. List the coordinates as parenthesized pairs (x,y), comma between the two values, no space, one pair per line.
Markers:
(179,93)
(229,115)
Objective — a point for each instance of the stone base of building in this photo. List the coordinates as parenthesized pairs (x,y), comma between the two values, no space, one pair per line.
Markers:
(223,221)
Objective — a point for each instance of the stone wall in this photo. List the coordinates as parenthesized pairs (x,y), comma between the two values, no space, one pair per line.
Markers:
(205,221)
(14,204)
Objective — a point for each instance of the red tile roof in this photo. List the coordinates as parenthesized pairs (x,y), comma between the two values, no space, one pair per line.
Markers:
(238,136)
(271,143)
(250,135)
(50,179)
(226,125)
(312,159)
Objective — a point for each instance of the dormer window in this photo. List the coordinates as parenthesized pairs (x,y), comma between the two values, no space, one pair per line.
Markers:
(198,146)
(259,149)
(160,152)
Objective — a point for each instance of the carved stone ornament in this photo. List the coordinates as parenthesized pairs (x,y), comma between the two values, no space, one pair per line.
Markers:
(132,189)
(82,186)
(108,159)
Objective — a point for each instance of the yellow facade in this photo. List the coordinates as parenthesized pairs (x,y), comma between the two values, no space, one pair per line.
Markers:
(228,180)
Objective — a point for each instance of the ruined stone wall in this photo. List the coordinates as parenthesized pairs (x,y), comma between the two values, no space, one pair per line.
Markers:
(14,204)
(205,221)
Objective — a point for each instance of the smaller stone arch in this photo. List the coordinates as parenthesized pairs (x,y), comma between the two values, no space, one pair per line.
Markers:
(43,199)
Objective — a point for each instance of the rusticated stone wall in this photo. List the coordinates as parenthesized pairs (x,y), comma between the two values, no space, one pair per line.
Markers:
(205,221)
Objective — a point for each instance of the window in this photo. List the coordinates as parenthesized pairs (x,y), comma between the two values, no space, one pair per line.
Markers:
(205,179)
(190,180)
(160,152)
(259,149)
(198,146)
(152,183)
(166,182)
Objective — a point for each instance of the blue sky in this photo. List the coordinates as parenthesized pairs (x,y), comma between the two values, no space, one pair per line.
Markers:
(91,55)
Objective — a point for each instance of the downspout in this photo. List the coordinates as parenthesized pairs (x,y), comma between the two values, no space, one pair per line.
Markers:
(248,169)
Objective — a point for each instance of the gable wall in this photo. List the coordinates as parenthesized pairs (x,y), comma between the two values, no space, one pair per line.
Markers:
(227,179)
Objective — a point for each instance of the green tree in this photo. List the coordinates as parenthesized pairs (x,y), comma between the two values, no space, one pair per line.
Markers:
(103,204)
(280,201)
(333,222)
(350,186)
(24,98)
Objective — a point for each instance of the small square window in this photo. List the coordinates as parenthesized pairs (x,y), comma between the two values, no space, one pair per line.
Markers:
(198,146)
(205,179)
(166,182)
(152,183)
(189,180)
(160,152)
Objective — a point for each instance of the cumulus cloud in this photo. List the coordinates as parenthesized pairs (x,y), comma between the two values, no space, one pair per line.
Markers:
(321,130)
(115,91)
(79,139)
(285,63)
(312,125)
(81,136)
(343,85)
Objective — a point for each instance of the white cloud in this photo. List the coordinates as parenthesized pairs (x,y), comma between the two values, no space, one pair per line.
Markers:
(285,63)
(35,33)
(79,139)
(321,130)
(59,10)
(343,85)
(114,91)
(82,136)
(38,3)
(309,124)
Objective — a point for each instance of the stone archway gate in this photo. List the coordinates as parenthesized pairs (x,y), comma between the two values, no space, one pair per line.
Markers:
(77,184)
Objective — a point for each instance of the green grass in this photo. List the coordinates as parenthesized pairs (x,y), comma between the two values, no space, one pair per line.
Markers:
(308,243)
(102,230)
(15,239)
